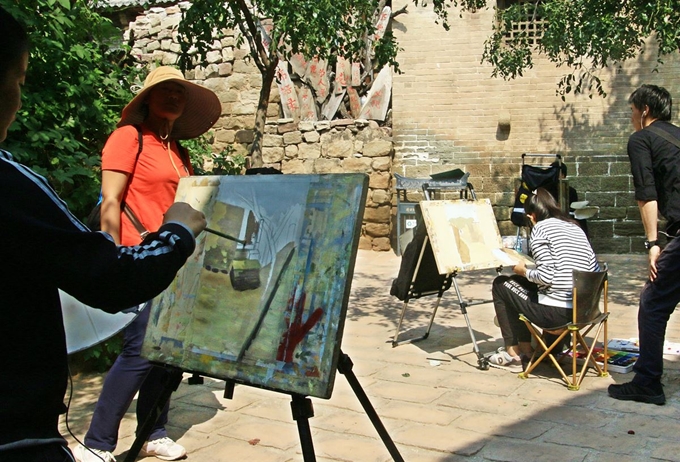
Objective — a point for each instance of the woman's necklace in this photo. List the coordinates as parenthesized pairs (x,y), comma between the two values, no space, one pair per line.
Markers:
(166,145)
(163,140)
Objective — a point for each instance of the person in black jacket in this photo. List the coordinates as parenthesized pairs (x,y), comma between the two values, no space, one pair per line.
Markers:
(45,248)
(654,157)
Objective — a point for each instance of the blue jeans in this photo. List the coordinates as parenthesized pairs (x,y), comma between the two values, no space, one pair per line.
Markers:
(128,375)
(658,300)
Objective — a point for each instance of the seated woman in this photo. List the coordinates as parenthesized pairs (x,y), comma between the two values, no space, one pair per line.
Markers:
(558,245)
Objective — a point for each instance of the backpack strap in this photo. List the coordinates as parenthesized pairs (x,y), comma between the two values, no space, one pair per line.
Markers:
(126,208)
(664,134)
(140,142)
(184,155)
(143,232)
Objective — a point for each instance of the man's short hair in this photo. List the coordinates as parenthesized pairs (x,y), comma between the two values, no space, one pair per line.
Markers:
(656,98)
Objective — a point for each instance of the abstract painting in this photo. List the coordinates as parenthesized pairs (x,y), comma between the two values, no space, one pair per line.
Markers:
(262,301)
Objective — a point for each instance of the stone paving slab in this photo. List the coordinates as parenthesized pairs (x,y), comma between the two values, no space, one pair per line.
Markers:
(434,402)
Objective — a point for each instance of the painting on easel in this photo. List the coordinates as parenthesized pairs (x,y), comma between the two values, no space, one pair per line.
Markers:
(464,236)
(263,301)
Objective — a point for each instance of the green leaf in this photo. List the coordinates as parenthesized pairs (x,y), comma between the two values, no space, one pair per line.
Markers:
(75,89)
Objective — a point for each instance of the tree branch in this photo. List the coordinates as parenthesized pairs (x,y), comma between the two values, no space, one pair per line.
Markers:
(259,53)
(402,10)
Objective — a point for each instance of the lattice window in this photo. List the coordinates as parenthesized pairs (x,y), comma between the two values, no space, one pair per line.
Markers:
(531,23)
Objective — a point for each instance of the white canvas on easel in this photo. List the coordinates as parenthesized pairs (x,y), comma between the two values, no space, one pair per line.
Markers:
(464,236)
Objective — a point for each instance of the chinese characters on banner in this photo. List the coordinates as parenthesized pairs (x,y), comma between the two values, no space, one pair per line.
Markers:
(317,77)
(289,99)
(378,99)
(300,102)
(382,23)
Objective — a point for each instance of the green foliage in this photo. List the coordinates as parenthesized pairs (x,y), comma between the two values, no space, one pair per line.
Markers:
(584,36)
(441,7)
(77,83)
(207,162)
(323,28)
(98,358)
(276,29)
(312,27)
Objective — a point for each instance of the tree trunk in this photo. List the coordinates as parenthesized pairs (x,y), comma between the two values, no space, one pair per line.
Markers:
(261,114)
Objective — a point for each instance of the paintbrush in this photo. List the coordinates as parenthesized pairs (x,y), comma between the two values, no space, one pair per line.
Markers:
(226,236)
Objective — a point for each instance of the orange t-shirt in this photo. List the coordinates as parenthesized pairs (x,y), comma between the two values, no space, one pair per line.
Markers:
(152,186)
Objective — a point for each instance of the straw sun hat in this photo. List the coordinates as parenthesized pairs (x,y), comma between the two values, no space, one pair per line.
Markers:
(201,111)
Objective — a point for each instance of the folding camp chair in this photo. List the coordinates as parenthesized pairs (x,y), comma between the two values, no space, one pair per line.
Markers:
(588,289)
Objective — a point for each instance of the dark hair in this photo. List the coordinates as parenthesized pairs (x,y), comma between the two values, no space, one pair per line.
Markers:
(562,166)
(542,204)
(656,98)
(13,42)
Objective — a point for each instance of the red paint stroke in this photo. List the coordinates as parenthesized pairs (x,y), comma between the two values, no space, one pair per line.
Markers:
(296,329)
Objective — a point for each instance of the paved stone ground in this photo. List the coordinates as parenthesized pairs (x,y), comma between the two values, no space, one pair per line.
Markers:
(434,402)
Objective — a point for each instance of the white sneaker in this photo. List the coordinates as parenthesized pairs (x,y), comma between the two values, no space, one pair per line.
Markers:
(164,448)
(84,454)
(502,360)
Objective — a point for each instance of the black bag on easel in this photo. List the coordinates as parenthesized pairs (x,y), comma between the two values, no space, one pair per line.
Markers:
(428,279)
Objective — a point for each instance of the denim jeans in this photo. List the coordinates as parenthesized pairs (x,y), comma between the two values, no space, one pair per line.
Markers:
(128,375)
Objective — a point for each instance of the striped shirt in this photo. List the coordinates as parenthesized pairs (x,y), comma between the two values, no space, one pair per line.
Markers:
(558,247)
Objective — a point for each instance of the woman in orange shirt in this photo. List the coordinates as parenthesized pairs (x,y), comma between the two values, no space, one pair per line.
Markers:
(167,109)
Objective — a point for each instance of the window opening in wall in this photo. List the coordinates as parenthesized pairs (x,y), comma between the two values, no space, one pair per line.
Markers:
(527,22)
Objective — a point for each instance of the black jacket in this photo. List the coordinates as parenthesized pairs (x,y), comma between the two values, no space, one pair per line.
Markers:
(655,165)
(44,248)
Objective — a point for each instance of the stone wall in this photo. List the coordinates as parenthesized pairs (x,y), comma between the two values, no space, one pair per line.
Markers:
(337,146)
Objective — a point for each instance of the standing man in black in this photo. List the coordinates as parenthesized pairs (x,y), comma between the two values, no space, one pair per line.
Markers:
(654,153)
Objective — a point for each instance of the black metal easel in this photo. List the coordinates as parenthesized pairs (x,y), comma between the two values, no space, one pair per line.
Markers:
(301,407)
(172,381)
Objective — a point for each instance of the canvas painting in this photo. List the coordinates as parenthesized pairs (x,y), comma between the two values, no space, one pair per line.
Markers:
(464,236)
(262,301)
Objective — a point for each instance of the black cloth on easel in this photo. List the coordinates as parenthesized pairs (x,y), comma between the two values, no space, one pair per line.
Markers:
(428,278)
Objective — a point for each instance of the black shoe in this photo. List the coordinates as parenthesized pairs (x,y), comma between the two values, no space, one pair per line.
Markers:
(633,392)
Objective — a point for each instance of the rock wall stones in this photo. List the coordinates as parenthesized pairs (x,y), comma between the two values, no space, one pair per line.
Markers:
(337,146)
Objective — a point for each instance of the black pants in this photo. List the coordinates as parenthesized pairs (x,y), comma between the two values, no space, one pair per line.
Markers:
(513,295)
(657,302)
(53,452)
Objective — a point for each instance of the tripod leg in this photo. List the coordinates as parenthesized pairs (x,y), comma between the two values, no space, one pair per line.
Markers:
(345,367)
(302,411)
(174,378)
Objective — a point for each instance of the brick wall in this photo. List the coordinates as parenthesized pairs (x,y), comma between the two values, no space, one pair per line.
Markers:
(447,109)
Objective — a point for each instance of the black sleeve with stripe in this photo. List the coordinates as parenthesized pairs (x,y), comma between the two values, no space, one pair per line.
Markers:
(47,247)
